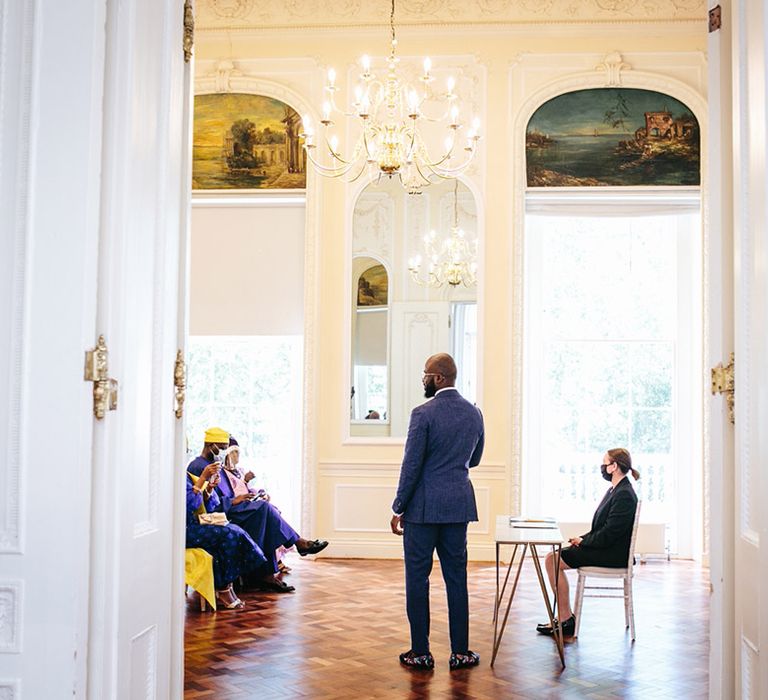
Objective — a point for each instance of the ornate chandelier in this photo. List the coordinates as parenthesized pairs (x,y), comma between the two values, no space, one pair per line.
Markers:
(392,116)
(452,262)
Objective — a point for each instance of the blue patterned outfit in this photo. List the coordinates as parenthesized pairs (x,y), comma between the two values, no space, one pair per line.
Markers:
(234,552)
(260,519)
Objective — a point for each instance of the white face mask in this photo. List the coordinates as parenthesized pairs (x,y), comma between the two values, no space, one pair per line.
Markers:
(218,456)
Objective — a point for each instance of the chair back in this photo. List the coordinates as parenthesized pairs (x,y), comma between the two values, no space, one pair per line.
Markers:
(631,560)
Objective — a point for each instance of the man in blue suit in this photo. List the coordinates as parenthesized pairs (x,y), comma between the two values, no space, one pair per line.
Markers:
(435,501)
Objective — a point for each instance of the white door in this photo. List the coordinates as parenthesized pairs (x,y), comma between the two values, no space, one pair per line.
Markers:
(751,329)
(137,532)
(740,539)
(421,329)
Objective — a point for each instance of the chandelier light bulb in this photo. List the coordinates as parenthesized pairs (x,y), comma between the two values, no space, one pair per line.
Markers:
(427,66)
(451,84)
(334,144)
(413,102)
(326,111)
(331,77)
(454,115)
(365,62)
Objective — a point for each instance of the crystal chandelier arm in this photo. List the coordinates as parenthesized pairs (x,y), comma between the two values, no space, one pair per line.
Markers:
(327,171)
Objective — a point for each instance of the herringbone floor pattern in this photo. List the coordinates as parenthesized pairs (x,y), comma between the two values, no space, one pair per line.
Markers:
(338,637)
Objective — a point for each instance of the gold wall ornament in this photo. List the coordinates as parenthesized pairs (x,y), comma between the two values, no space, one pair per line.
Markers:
(189,30)
(97,371)
(723,382)
(180,383)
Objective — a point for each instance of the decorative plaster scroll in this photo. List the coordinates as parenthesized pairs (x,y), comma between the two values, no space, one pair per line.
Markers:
(17,29)
(10,689)
(212,14)
(222,75)
(10,617)
(374,225)
(613,64)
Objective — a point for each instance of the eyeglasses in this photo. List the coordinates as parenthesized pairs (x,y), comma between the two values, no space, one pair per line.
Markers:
(607,465)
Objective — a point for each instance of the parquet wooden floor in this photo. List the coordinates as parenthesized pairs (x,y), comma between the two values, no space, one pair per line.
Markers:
(339,635)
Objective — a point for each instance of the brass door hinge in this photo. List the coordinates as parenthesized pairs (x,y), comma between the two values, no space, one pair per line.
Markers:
(189,30)
(97,371)
(723,382)
(179,383)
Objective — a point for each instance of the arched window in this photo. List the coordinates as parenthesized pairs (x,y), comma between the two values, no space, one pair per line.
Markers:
(613,331)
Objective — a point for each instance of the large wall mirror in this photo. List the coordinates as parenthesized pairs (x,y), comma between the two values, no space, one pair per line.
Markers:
(414,293)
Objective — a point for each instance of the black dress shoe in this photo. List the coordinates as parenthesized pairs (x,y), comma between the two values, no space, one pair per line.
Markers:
(275,585)
(466,660)
(569,627)
(314,547)
(423,662)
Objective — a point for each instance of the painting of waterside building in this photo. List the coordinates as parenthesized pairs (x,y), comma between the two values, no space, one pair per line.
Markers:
(612,137)
(244,141)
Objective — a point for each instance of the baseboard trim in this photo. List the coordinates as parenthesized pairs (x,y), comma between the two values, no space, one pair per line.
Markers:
(376,549)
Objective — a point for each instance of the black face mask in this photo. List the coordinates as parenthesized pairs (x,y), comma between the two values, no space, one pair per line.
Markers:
(429,388)
(604,472)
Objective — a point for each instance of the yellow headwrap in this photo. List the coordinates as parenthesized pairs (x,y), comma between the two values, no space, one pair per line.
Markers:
(216,435)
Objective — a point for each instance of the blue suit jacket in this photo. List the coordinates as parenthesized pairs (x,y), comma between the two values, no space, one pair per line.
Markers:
(445,439)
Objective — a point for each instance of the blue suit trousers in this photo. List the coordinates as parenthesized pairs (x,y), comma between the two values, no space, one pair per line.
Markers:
(419,543)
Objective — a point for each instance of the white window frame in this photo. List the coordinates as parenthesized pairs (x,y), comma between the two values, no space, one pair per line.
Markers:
(688,419)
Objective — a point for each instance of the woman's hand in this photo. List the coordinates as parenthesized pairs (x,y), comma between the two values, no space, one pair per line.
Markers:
(574,541)
(243,497)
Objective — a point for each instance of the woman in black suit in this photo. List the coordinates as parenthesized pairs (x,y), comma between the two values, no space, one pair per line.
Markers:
(607,542)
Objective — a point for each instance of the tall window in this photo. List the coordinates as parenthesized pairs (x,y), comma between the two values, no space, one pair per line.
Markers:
(613,344)
(252,387)
(464,327)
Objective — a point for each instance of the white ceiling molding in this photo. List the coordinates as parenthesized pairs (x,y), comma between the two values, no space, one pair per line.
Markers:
(268,14)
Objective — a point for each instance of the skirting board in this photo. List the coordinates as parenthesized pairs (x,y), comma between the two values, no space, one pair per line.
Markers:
(376,549)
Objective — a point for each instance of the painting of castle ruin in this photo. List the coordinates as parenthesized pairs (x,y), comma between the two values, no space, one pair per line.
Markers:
(248,142)
(612,136)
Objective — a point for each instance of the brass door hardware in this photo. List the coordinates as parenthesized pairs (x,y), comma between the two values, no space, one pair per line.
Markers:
(723,383)
(179,383)
(189,30)
(97,371)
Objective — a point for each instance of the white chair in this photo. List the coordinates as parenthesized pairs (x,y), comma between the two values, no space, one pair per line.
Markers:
(609,573)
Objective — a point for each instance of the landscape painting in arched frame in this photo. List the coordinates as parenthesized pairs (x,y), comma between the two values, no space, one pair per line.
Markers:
(612,137)
(246,142)
(373,287)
